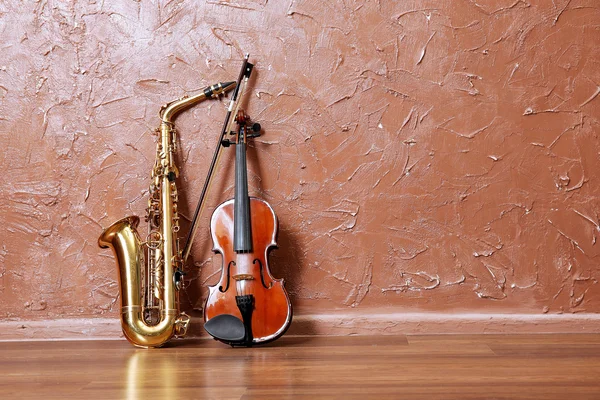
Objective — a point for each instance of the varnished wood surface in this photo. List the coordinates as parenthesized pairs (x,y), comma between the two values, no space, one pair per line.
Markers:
(383,367)
(272,311)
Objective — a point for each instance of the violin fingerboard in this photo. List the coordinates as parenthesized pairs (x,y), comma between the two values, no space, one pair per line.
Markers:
(242,231)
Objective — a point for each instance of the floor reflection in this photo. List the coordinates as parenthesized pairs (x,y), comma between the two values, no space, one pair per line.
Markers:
(151,372)
(206,369)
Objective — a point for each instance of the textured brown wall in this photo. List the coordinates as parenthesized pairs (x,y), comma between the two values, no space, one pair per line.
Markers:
(420,155)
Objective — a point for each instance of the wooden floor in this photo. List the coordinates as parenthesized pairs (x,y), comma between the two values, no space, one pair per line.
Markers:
(383,367)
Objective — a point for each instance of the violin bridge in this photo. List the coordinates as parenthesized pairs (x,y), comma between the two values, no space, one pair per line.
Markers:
(243,277)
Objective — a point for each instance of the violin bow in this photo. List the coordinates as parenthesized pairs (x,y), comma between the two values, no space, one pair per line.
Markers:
(234,104)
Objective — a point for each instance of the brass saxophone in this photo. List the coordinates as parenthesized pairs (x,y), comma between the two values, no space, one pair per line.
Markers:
(159,319)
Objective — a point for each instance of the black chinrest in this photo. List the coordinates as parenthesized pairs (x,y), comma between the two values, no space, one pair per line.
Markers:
(226,327)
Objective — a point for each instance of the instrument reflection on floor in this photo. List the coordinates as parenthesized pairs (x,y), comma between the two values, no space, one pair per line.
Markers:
(247,306)
(163,370)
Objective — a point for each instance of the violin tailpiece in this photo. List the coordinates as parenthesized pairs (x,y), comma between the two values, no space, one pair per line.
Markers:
(246,305)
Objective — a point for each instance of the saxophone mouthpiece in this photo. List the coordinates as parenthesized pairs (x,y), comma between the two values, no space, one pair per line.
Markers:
(227,86)
(218,89)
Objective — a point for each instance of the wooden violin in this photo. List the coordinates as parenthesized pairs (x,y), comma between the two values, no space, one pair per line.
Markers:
(247,306)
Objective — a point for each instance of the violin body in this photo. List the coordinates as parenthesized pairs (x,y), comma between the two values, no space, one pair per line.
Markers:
(248,273)
(247,306)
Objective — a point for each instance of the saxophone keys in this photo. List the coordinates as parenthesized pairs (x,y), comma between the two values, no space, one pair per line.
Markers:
(181,325)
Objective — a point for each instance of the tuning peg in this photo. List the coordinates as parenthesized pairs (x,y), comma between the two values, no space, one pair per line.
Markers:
(255,129)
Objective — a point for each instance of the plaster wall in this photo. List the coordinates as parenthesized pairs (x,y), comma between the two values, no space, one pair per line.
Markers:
(423,157)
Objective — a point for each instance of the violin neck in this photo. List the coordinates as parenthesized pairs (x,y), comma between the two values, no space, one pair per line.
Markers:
(242,231)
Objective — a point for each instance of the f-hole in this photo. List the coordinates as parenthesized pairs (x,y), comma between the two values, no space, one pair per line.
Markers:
(229,277)
(262,278)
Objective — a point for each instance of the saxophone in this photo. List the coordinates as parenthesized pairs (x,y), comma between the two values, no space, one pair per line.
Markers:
(159,319)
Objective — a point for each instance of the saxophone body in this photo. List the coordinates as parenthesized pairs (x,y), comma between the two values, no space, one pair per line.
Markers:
(151,271)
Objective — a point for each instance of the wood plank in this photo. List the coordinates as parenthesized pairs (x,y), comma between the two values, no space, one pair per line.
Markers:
(381,367)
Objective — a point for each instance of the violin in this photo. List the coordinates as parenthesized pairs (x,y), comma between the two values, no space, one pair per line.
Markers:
(248,305)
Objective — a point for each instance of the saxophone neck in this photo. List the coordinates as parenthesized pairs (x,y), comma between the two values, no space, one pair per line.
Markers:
(169,110)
